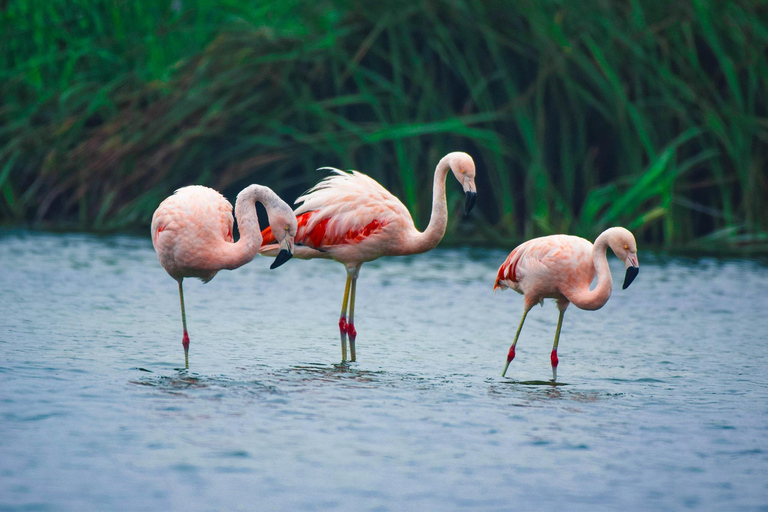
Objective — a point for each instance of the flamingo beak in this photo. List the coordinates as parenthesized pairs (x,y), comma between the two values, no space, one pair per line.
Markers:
(284,255)
(471,198)
(633,268)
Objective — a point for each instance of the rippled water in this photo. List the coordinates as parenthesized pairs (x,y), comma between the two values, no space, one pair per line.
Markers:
(665,407)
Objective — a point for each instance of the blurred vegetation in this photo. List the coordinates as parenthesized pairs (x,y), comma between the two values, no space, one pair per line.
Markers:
(580,115)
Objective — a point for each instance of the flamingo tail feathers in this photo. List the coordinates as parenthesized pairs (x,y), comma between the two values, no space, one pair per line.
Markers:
(507,271)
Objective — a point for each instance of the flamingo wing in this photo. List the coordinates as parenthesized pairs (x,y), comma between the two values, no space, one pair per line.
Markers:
(507,276)
(345,208)
(548,259)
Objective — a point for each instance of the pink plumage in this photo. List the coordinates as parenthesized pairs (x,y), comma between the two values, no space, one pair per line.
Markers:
(187,229)
(562,267)
(351,218)
(342,206)
(192,234)
(545,267)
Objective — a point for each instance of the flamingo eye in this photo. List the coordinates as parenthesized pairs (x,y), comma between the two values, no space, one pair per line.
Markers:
(287,228)
(626,246)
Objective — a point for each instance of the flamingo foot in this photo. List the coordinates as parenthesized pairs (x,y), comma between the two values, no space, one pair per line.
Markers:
(555,362)
(343,332)
(510,357)
(185,344)
(352,336)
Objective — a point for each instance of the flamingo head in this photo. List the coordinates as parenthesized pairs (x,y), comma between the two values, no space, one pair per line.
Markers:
(284,227)
(463,168)
(623,244)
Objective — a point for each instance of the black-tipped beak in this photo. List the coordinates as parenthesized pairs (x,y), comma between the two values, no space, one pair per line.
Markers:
(283,256)
(471,197)
(630,276)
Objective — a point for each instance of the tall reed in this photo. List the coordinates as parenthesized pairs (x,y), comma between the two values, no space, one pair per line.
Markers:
(580,115)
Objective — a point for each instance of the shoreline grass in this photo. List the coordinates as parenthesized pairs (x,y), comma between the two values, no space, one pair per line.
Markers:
(579,116)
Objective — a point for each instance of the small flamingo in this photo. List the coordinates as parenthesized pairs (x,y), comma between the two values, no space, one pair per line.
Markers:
(562,267)
(192,234)
(351,218)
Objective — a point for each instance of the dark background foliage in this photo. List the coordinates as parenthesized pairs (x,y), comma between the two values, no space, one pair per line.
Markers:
(580,115)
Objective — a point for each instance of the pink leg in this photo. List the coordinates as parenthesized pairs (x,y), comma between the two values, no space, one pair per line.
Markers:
(511,354)
(553,357)
(351,326)
(343,326)
(343,333)
(185,344)
(348,328)
(185,338)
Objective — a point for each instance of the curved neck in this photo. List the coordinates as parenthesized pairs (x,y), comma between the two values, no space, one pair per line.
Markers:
(585,298)
(237,254)
(438,220)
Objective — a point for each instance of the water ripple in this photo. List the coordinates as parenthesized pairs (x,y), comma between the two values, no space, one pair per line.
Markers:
(660,404)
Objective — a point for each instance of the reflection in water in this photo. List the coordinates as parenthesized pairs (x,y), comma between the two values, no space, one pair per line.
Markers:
(181,380)
(538,383)
(535,391)
(269,379)
(662,387)
(341,372)
(187,381)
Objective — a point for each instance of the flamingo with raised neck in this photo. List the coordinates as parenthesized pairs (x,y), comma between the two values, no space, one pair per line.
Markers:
(351,218)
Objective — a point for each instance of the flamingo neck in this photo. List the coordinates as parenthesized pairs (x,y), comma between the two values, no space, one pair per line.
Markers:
(595,299)
(438,220)
(237,254)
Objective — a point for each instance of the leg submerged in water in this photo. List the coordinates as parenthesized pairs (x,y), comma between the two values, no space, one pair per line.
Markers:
(343,319)
(351,326)
(511,354)
(553,357)
(185,338)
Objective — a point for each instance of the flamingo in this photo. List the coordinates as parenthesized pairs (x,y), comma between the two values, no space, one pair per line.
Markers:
(562,267)
(192,234)
(351,218)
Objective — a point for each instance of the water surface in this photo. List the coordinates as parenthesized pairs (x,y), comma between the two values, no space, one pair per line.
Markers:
(664,407)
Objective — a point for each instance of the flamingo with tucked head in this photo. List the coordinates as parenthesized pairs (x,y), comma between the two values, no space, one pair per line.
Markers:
(192,234)
(562,267)
(351,218)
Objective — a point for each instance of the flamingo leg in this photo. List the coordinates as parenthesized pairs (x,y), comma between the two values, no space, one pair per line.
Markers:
(553,356)
(351,326)
(511,354)
(185,338)
(343,318)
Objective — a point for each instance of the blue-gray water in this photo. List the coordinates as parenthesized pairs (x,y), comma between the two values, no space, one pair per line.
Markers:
(665,407)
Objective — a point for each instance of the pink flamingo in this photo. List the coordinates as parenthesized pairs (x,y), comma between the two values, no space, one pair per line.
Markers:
(192,234)
(562,267)
(351,218)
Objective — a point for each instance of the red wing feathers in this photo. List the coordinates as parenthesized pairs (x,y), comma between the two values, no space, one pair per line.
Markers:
(317,235)
(269,238)
(508,269)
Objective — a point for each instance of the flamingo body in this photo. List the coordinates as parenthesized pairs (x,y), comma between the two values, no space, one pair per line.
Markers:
(187,227)
(351,218)
(562,267)
(192,234)
(546,267)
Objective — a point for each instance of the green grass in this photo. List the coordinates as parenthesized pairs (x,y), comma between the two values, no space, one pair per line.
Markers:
(580,115)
